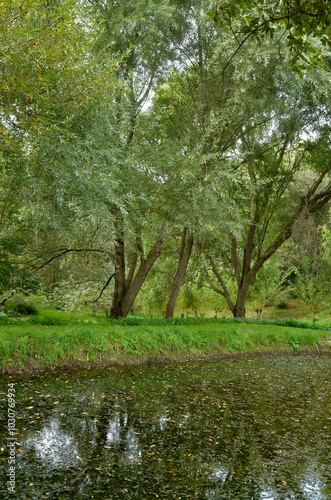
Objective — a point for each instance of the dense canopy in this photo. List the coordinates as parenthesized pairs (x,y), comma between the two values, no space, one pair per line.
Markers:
(162,154)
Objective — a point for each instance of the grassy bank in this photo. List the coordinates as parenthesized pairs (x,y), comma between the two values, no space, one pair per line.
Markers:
(57,318)
(25,347)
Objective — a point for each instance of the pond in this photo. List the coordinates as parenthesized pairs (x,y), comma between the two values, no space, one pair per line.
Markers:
(254,428)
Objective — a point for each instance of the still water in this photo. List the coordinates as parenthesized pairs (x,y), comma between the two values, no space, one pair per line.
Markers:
(255,429)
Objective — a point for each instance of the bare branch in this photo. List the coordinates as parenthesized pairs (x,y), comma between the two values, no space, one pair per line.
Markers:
(66,251)
(317,183)
(222,282)
(103,289)
(211,284)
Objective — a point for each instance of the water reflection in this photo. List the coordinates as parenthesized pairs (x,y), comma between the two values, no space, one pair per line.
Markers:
(133,448)
(114,431)
(243,429)
(53,445)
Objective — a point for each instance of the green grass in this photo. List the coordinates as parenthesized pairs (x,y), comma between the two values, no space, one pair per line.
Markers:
(25,345)
(54,317)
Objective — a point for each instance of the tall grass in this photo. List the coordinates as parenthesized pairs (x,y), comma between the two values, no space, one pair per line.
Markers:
(26,345)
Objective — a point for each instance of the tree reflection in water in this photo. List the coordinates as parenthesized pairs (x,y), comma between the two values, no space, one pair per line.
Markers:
(243,429)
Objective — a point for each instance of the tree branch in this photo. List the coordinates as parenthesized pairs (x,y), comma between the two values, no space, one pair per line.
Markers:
(6,297)
(221,281)
(312,206)
(66,251)
(132,268)
(103,289)
(211,284)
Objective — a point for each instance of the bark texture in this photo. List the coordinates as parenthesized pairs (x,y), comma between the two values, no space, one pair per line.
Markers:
(119,264)
(146,265)
(184,257)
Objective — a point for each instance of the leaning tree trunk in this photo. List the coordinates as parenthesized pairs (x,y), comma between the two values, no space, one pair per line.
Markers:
(184,257)
(146,265)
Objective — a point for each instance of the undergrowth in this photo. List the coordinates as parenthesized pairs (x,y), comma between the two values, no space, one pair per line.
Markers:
(140,321)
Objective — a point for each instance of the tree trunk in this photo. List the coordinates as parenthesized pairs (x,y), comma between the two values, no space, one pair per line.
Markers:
(144,268)
(185,252)
(239,310)
(119,263)
(132,268)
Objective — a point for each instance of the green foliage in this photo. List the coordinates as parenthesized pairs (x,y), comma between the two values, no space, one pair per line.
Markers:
(13,275)
(294,346)
(44,320)
(326,236)
(47,61)
(51,319)
(50,78)
(236,340)
(268,286)
(191,300)
(300,23)
(20,307)
(87,155)
(154,294)
(282,305)
(309,289)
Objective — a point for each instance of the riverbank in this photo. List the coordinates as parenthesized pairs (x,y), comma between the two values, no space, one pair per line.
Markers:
(26,348)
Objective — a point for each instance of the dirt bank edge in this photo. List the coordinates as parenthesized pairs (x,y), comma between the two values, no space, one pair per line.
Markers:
(32,366)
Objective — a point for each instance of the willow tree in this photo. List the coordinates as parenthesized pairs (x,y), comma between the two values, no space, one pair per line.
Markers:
(285,172)
(49,75)
(145,36)
(231,88)
(88,153)
(191,104)
(298,23)
(204,106)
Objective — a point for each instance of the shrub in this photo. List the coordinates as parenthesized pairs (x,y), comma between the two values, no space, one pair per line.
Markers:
(282,305)
(22,308)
